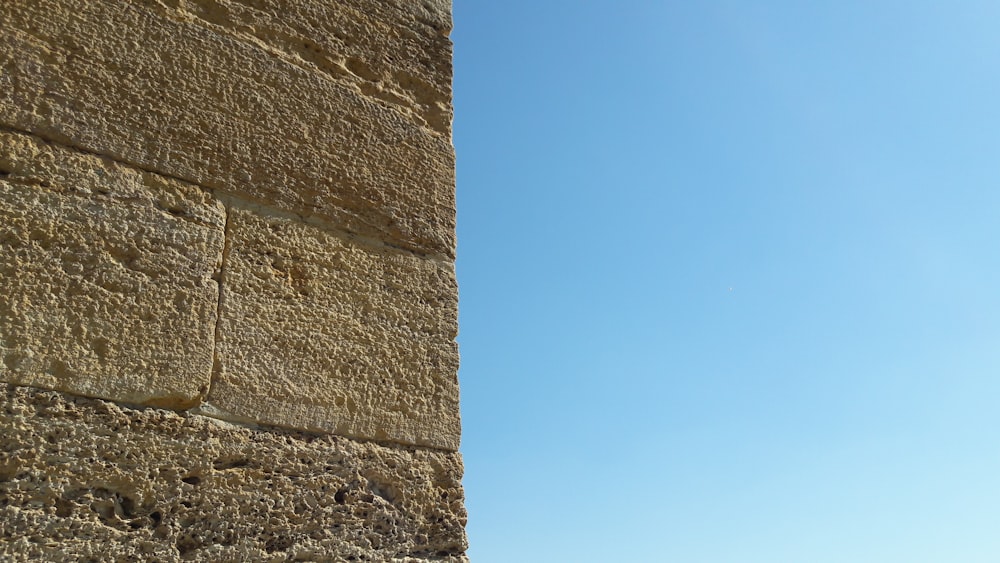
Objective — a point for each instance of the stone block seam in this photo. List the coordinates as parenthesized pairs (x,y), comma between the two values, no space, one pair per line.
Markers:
(228,304)
(231,202)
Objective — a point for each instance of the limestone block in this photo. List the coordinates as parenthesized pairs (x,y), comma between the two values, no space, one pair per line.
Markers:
(106,277)
(87,480)
(166,91)
(397,52)
(321,333)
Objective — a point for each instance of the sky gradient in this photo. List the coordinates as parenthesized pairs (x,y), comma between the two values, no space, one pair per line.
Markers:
(729,279)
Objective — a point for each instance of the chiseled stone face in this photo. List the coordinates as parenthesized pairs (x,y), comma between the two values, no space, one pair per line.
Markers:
(347,41)
(224,95)
(243,210)
(321,333)
(87,480)
(106,277)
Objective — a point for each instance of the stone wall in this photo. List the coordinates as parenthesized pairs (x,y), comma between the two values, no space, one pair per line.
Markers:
(228,305)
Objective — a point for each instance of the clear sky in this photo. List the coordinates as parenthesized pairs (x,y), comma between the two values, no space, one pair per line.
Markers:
(730,280)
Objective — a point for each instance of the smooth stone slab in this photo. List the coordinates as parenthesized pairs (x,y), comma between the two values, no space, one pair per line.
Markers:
(320,333)
(106,277)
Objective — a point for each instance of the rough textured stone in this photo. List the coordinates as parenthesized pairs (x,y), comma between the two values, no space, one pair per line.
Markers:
(321,333)
(363,146)
(87,480)
(294,153)
(348,41)
(106,277)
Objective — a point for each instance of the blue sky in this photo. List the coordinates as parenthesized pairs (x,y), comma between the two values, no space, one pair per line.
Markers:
(730,280)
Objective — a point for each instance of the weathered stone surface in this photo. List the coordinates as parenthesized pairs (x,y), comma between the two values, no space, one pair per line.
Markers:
(88,480)
(321,333)
(165,90)
(324,127)
(106,277)
(348,41)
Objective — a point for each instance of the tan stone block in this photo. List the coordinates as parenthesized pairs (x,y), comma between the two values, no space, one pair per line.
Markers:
(320,333)
(106,274)
(173,94)
(397,52)
(87,480)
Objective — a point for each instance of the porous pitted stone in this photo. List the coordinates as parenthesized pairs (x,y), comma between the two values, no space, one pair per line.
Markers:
(88,480)
(318,332)
(106,277)
(295,153)
(364,148)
